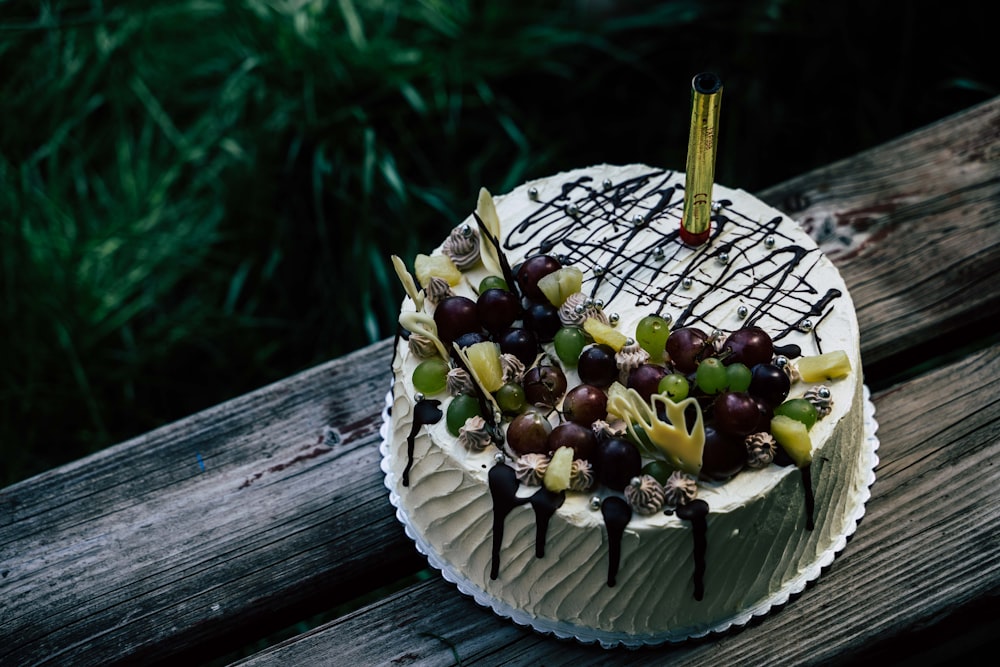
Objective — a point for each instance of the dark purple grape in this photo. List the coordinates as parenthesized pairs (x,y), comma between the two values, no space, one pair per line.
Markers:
(618,461)
(769,383)
(736,413)
(585,404)
(749,346)
(544,385)
(580,438)
(528,433)
(543,319)
(522,343)
(498,309)
(597,365)
(645,379)
(686,347)
(723,456)
(454,316)
(531,271)
(467,339)
(765,413)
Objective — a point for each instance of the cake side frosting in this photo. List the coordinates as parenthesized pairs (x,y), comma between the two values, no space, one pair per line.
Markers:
(619,225)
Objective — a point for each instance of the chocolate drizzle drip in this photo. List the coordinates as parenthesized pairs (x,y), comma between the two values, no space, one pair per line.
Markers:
(810,500)
(630,257)
(503,489)
(425,411)
(696,512)
(617,513)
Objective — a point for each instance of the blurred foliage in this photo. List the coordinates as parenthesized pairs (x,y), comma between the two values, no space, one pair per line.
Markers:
(198,197)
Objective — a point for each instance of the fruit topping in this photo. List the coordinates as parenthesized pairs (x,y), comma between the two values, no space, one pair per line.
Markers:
(749,346)
(581,439)
(710,376)
(605,333)
(436,266)
(585,404)
(497,309)
(528,433)
(738,377)
(492,282)
(826,366)
(461,408)
(454,316)
(560,284)
(597,365)
(431,376)
(769,383)
(646,379)
(510,398)
(543,319)
(672,438)
(544,385)
(484,364)
(674,386)
(645,494)
(686,347)
(569,343)
(658,469)
(724,455)
(735,413)
(533,270)
(617,462)
(522,343)
(793,436)
(651,333)
(559,470)
(799,409)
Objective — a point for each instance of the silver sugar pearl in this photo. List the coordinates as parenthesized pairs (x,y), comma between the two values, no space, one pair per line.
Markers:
(638,220)
(563,259)
(742,312)
(533,193)
(630,341)
(595,503)
(417,396)
(598,270)
(635,482)
(716,206)
(723,258)
(806,325)
(498,457)
(668,318)
(781,361)
(579,309)
(658,253)
(573,211)
(589,303)
(823,392)
(686,283)
(599,304)
(613,318)
(606,184)
(769,241)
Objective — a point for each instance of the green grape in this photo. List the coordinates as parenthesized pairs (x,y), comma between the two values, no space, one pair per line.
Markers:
(510,398)
(738,376)
(431,376)
(799,409)
(660,470)
(492,282)
(711,376)
(569,343)
(675,386)
(461,408)
(651,333)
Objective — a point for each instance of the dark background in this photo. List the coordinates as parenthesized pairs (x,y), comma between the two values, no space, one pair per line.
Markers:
(201,198)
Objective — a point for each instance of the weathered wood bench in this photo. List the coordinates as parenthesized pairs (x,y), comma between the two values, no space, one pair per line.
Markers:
(196,541)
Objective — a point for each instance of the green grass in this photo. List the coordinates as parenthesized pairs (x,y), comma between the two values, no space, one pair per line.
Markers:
(198,198)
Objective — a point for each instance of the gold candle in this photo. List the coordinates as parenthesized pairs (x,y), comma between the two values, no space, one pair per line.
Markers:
(706,97)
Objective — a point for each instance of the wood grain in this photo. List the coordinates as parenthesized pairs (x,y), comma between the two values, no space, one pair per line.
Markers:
(260,512)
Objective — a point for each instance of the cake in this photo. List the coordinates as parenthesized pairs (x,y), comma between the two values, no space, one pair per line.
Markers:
(721,461)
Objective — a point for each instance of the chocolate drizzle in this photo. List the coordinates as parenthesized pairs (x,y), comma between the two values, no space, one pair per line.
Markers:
(617,513)
(697,512)
(503,489)
(425,411)
(600,234)
(810,500)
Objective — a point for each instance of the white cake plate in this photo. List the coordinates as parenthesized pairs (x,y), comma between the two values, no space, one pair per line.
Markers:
(587,635)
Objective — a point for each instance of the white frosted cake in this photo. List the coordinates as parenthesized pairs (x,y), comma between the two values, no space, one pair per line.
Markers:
(705,473)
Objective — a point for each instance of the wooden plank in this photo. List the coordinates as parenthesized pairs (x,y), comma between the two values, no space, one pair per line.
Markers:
(138,552)
(929,545)
(914,226)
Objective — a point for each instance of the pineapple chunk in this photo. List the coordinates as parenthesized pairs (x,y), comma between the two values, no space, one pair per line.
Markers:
(605,333)
(436,266)
(793,436)
(827,366)
(558,285)
(559,470)
(484,361)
